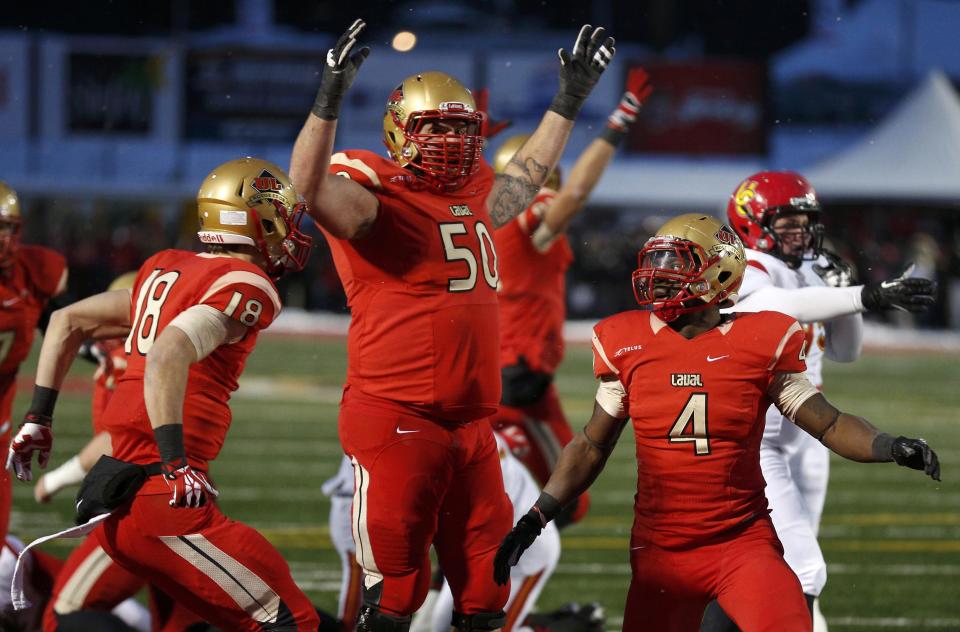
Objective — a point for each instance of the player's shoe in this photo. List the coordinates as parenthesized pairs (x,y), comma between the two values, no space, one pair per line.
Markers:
(571,617)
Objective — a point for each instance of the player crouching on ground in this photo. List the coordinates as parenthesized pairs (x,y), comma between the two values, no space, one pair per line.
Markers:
(697,385)
(191,321)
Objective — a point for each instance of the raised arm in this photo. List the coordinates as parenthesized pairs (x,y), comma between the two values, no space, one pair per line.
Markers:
(516,187)
(341,206)
(590,165)
(105,315)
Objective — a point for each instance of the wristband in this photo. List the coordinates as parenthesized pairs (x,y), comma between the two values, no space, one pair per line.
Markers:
(169,439)
(883,447)
(69,474)
(613,136)
(547,507)
(566,106)
(327,106)
(44,401)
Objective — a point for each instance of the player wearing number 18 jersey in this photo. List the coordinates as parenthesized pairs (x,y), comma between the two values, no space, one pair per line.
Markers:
(191,321)
(697,386)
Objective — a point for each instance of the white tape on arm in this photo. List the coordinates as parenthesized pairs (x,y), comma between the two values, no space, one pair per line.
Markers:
(789,391)
(206,326)
(611,396)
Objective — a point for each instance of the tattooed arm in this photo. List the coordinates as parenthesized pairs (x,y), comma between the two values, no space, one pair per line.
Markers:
(515,188)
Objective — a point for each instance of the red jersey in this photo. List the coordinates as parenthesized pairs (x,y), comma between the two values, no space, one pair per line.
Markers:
(421,287)
(105,381)
(32,279)
(167,284)
(698,409)
(532,290)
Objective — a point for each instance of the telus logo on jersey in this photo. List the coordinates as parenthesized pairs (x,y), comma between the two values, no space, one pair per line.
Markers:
(686,379)
(623,350)
(461,210)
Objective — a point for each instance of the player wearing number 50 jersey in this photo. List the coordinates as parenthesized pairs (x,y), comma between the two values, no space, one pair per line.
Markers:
(411,239)
(190,322)
(696,386)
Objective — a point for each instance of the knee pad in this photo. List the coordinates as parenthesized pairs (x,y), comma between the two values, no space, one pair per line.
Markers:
(479,621)
(372,620)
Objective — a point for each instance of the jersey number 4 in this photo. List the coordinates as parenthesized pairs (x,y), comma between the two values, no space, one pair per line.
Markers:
(453,252)
(694,412)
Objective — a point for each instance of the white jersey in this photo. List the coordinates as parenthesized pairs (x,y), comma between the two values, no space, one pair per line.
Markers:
(766,270)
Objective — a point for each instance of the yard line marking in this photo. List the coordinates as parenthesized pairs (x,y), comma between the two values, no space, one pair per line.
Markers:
(894,622)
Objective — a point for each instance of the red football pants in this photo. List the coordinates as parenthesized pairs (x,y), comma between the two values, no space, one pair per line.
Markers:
(420,481)
(224,571)
(745,573)
(547,431)
(90,580)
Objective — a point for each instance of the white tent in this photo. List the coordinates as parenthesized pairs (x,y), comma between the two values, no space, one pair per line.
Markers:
(913,154)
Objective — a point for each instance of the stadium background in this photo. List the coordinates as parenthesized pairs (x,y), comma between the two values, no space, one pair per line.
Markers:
(111,116)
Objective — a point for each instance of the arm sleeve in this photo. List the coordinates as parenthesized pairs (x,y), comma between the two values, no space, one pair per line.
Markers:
(808,304)
(789,391)
(844,338)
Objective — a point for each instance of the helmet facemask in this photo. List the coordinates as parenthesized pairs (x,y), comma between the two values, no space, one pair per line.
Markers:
(446,159)
(811,234)
(280,241)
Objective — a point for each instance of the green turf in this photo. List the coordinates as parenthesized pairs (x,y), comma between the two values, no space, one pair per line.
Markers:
(891,537)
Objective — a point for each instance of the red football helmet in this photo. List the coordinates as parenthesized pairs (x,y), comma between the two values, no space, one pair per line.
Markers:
(760,199)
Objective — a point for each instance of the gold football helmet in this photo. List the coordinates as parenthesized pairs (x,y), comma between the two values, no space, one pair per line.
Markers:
(123,282)
(694,261)
(252,202)
(9,221)
(509,148)
(432,126)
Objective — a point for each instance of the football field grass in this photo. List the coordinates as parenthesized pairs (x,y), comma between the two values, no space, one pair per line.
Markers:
(891,536)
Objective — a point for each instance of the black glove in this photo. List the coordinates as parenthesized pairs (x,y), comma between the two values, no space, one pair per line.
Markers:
(517,541)
(903,293)
(339,72)
(581,71)
(522,386)
(917,455)
(837,272)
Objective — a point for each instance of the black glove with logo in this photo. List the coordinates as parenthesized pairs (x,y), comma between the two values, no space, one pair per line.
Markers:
(903,293)
(339,72)
(837,272)
(581,71)
(907,452)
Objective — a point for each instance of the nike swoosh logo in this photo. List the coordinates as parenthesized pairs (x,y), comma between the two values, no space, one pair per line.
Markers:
(637,548)
(11,301)
(78,504)
(709,359)
(885,285)
(405,431)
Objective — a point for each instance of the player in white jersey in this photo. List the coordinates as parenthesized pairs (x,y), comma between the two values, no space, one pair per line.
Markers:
(527,578)
(777,216)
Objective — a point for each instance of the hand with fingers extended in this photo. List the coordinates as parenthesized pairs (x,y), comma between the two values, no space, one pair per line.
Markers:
(904,293)
(188,487)
(35,435)
(836,272)
(341,68)
(622,118)
(580,71)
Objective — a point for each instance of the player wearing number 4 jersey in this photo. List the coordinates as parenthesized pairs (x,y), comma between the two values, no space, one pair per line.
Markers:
(190,323)
(697,386)
(411,239)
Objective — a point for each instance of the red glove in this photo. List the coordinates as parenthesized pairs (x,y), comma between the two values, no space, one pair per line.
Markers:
(638,89)
(35,435)
(188,487)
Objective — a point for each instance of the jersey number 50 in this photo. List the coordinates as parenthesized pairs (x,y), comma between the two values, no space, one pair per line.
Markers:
(453,252)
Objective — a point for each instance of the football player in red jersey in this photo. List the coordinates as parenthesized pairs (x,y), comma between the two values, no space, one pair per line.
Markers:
(190,321)
(29,277)
(411,240)
(533,257)
(697,385)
